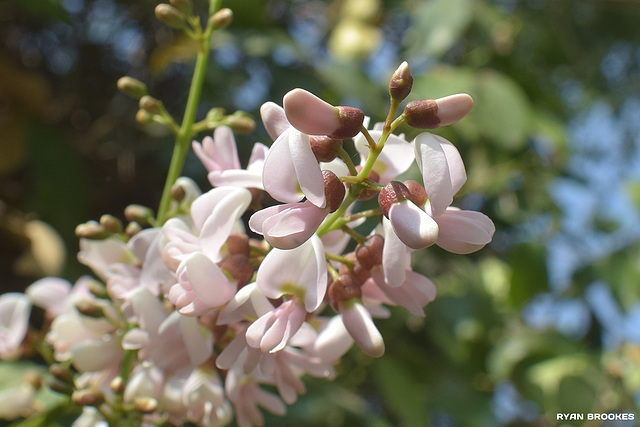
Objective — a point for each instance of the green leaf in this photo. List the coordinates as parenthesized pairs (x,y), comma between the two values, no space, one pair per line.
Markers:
(401,391)
(439,24)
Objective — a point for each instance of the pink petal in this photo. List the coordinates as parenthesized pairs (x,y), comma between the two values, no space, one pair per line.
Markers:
(279,176)
(358,322)
(289,225)
(396,157)
(310,114)
(395,256)
(207,280)
(307,169)
(50,294)
(463,232)
(413,226)
(436,176)
(457,171)
(274,119)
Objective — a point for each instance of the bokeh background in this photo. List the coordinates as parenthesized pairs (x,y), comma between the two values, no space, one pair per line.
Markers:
(544,320)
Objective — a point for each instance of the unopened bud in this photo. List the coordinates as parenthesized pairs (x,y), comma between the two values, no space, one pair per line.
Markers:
(60,387)
(358,271)
(150,104)
(87,397)
(97,289)
(89,309)
(241,123)
(370,253)
(143,117)
(132,87)
(418,195)
(239,268)
(238,243)
(62,373)
(430,113)
(178,193)
(91,230)
(368,194)
(221,18)
(343,289)
(170,16)
(111,223)
(132,229)
(334,190)
(117,385)
(184,6)
(392,193)
(138,213)
(33,378)
(145,405)
(351,120)
(324,148)
(401,82)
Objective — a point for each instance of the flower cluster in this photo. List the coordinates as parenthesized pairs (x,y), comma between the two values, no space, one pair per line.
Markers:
(191,319)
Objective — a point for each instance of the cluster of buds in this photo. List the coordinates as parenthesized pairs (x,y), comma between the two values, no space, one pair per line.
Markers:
(197,315)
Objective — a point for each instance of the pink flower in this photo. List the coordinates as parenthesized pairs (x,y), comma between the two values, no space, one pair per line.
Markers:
(220,157)
(291,170)
(357,320)
(50,294)
(288,226)
(444,174)
(272,331)
(301,271)
(15,309)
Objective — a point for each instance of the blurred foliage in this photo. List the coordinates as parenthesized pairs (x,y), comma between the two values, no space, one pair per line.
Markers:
(506,342)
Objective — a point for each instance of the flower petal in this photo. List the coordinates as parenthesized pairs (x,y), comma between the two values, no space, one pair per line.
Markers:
(463,232)
(413,226)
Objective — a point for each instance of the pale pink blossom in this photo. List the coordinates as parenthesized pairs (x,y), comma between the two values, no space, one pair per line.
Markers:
(15,309)
(220,157)
(50,294)
(291,171)
(290,225)
(272,331)
(301,271)
(358,322)
(204,399)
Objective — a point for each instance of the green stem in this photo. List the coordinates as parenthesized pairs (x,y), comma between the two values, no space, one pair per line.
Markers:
(185,132)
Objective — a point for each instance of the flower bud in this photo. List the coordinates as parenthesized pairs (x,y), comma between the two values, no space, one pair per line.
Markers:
(178,193)
(324,148)
(87,397)
(368,194)
(430,113)
(418,195)
(61,373)
(132,229)
(143,117)
(97,289)
(241,123)
(117,385)
(59,386)
(145,405)
(138,213)
(238,243)
(358,271)
(238,268)
(111,224)
(370,254)
(170,16)
(221,18)
(334,190)
(91,230)
(132,87)
(401,82)
(150,104)
(393,192)
(89,309)
(343,289)
(313,116)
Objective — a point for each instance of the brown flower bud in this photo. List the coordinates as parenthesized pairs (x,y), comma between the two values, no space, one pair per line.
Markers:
(239,268)
(170,16)
(238,244)
(111,224)
(350,119)
(358,271)
(117,385)
(392,193)
(418,195)
(91,230)
(334,190)
(324,147)
(178,193)
(143,117)
(62,373)
(370,254)
(132,229)
(132,87)
(422,114)
(221,18)
(145,405)
(241,122)
(150,104)
(87,397)
(97,289)
(138,213)
(59,386)
(343,289)
(89,308)
(401,82)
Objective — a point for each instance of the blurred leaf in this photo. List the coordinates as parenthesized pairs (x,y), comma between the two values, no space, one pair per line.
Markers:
(529,272)
(181,49)
(438,25)
(401,391)
(47,9)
